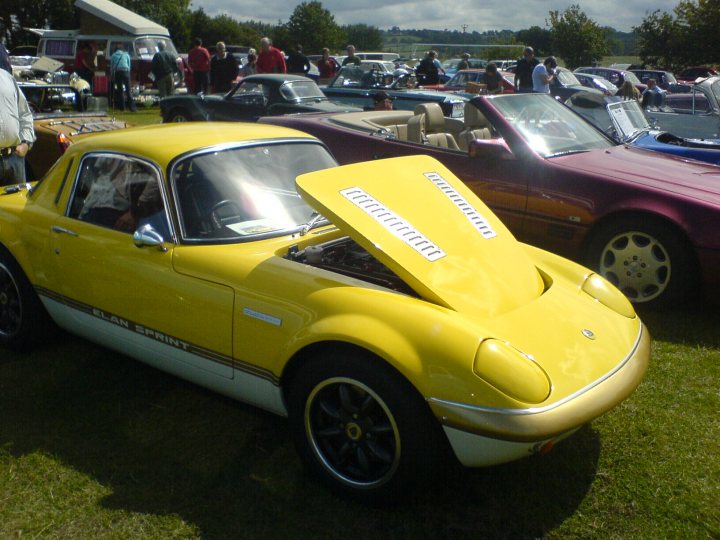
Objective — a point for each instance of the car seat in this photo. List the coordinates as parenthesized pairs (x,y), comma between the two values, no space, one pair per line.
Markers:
(476,126)
(427,126)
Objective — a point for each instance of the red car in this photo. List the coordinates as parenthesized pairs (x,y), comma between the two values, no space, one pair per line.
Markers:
(460,81)
(646,221)
(691,74)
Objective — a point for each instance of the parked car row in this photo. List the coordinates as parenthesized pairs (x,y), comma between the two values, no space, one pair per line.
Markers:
(381,307)
(385,306)
(262,96)
(625,122)
(645,220)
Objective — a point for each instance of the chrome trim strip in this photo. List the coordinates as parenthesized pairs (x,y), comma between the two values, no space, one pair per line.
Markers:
(264,317)
(393,223)
(538,410)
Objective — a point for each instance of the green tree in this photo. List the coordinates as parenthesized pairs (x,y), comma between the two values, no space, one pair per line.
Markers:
(689,37)
(577,39)
(697,33)
(17,15)
(364,37)
(657,39)
(538,38)
(314,27)
(225,28)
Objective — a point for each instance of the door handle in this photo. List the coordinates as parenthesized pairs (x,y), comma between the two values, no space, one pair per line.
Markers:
(62,230)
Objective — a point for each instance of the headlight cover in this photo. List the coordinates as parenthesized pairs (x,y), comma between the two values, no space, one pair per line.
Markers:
(605,292)
(512,372)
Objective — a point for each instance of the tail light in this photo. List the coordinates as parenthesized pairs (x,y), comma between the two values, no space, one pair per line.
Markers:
(63,142)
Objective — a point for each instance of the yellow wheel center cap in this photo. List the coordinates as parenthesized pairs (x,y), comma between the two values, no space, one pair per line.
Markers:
(353,431)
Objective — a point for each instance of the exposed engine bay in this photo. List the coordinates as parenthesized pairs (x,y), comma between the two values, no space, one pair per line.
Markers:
(346,257)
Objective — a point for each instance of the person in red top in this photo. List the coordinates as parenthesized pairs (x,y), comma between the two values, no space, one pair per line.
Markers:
(199,64)
(270,59)
(85,62)
(327,66)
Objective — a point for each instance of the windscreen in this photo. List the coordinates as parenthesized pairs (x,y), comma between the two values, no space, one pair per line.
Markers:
(247,192)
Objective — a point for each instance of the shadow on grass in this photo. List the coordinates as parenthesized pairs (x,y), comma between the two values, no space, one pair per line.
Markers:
(693,325)
(169,448)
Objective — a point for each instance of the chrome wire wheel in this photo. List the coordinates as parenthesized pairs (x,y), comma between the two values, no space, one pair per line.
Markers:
(178,116)
(352,432)
(638,264)
(10,304)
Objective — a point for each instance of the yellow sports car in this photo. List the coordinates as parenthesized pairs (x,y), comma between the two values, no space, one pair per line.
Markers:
(381,306)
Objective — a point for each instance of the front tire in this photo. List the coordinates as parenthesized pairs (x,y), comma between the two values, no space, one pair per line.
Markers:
(22,316)
(648,260)
(178,115)
(361,427)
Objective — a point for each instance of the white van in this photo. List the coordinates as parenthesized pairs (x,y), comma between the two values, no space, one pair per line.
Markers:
(386,56)
(104,24)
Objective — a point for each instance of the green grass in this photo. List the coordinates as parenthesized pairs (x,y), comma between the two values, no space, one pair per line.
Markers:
(143,116)
(95,445)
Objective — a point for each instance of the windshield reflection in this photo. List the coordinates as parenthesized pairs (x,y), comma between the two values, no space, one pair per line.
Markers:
(547,126)
(245,193)
(301,90)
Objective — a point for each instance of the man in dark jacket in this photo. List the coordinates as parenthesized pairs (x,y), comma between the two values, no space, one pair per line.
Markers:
(429,69)
(163,66)
(297,62)
(524,70)
(224,69)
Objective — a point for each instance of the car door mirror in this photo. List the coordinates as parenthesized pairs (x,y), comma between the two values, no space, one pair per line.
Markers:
(147,236)
(494,149)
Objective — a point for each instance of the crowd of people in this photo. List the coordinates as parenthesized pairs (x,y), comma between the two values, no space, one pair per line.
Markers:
(217,72)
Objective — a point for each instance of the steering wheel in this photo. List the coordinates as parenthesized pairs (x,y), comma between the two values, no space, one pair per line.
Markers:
(232,214)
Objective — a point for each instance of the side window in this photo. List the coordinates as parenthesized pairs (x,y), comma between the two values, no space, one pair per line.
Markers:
(60,47)
(119,193)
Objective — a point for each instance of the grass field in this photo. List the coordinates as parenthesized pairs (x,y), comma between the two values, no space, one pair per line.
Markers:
(95,445)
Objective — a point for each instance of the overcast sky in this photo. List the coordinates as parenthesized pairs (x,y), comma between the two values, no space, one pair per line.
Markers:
(478,16)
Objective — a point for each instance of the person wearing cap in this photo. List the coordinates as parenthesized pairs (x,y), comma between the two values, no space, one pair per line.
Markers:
(543,75)
(464,63)
(524,70)
(383,101)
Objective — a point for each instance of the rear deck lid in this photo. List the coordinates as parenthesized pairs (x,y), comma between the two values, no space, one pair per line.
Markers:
(418,219)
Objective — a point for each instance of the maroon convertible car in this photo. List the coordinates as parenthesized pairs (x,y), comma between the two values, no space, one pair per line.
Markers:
(647,221)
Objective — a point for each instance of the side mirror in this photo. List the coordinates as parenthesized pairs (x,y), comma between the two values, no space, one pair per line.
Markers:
(147,236)
(491,149)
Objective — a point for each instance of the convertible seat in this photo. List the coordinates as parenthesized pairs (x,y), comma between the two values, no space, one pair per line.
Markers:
(427,126)
(476,126)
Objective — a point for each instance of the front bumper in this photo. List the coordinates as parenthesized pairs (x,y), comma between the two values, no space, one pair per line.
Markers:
(516,430)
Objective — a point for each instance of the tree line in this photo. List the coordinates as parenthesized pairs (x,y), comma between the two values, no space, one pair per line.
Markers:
(686,36)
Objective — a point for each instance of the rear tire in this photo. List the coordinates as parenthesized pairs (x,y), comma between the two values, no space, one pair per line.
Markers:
(361,427)
(22,316)
(178,115)
(648,260)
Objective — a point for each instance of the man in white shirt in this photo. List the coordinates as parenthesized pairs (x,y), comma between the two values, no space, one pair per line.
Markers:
(16,131)
(543,74)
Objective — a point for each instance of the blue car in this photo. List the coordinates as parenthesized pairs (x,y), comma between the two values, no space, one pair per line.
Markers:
(356,86)
(625,122)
